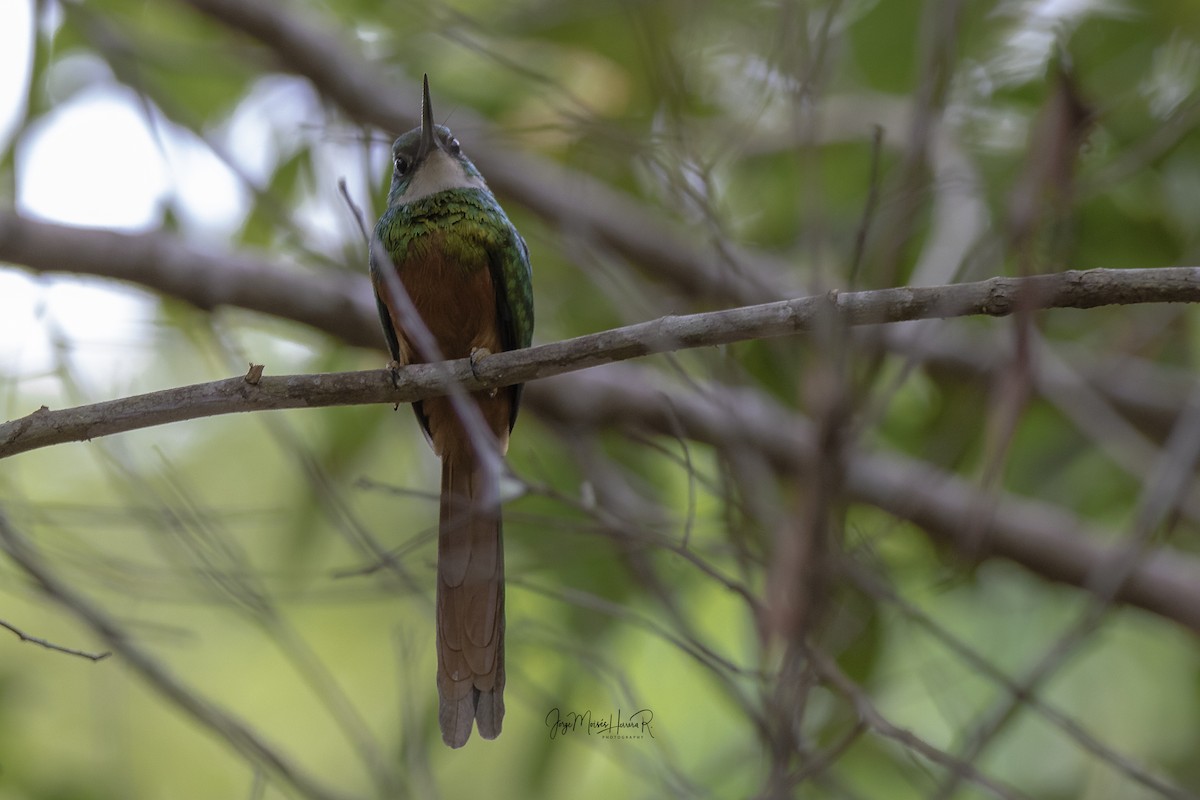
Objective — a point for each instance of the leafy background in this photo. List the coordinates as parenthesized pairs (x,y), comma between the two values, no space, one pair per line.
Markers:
(280,564)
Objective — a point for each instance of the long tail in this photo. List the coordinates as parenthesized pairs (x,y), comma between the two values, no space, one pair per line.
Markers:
(470,603)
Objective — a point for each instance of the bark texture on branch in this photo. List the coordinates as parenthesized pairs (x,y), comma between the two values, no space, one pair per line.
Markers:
(995,296)
(1053,546)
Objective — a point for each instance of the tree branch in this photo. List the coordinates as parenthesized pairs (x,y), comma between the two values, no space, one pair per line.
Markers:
(58,648)
(229,728)
(995,296)
(338,304)
(972,522)
(841,683)
(342,305)
(1150,395)
(569,200)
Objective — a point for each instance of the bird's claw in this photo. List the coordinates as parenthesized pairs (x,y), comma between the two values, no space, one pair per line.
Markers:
(393,368)
(477,355)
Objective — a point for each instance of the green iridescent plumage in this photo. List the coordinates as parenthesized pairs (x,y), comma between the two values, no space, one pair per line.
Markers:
(446,253)
(472,230)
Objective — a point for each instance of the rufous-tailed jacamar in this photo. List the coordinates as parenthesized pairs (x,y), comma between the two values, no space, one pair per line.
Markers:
(445,241)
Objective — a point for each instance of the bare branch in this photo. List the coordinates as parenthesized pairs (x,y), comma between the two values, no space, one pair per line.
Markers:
(1040,537)
(881,726)
(58,648)
(343,305)
(580,203)
(995,296)
(336,303)
(1032,537)
(235,732)
(971,522)
(84,423)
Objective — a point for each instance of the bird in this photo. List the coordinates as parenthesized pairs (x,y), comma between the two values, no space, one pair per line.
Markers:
(445,244)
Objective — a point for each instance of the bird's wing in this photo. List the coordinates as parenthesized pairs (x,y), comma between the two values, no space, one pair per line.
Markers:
(508,260)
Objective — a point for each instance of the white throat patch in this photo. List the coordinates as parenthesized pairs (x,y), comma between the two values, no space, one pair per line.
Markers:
(439,172)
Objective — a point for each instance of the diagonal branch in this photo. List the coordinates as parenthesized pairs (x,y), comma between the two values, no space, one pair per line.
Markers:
(226,726)
(49,645)
(582,204)
(971,522)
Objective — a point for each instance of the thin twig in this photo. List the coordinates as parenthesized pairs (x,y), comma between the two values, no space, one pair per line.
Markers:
(832,675)
(232,730)
(1041,537)
(868,213)
(587,206)
(24,637)
(1163,488)
(976,661)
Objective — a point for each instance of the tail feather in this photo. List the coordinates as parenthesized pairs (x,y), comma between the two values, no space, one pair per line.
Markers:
(470,604)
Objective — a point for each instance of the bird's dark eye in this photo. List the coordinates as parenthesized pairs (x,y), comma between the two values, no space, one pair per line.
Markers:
(453,146)
(401,165)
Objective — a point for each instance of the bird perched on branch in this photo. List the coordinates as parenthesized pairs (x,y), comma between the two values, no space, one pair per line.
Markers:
(452,280)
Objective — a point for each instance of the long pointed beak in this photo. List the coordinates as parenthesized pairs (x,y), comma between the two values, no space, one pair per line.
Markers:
(428,140)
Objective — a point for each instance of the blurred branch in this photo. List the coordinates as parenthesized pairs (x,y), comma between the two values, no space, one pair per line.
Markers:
(975,660)
(995,297)
(24,637)
(1038,536)
(1110,402)
(570,200)
(1151,395)
(1165,485)
(973,523)
(832,675)
(339,304)
(342,305)
(228,728)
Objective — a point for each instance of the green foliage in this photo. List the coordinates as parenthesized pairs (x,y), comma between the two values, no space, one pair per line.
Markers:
(885,45)
(290,179)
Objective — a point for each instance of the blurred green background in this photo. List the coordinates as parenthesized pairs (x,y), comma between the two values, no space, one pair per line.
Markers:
(279,565)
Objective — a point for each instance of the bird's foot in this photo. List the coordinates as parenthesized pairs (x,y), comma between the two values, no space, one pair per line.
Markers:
(477,355)
(393,368)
